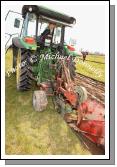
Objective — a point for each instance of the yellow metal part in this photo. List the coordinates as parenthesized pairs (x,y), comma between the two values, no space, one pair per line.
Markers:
(18,67)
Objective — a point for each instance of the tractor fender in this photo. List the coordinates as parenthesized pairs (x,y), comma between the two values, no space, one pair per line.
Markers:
(16,42)
(21,44)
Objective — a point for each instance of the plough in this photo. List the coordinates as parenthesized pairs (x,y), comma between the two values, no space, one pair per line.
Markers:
(82,114)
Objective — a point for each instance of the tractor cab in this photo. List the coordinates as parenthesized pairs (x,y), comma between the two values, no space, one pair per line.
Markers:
(37,20)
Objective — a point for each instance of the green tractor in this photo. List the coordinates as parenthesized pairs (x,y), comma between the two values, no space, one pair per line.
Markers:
(42,34)
(40,53)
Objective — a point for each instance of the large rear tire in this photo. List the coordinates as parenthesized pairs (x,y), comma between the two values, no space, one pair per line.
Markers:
(24,73)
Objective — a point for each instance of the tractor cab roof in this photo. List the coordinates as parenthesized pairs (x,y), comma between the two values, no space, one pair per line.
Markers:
(48,15)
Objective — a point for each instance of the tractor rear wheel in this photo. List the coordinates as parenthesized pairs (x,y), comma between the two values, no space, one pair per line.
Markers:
(24,73)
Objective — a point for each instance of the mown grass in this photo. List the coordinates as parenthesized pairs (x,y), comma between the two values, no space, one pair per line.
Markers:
(96,58)
(93,67)
(28,132)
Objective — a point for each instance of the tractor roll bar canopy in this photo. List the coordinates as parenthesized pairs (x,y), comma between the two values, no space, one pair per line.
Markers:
(43,11)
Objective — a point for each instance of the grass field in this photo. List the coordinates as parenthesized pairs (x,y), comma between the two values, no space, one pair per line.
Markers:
(96,58)
(93,67)
(33,133)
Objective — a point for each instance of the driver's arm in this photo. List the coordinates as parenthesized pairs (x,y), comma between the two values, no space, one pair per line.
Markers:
(44,34)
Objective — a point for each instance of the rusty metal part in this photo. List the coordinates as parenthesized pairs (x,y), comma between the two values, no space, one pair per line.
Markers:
(94,130)
(46,86)
(90,114)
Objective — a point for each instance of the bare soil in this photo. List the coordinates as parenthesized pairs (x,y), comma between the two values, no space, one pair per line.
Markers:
(95,89)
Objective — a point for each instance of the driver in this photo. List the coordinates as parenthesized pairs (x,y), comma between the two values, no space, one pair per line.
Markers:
(46,32)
